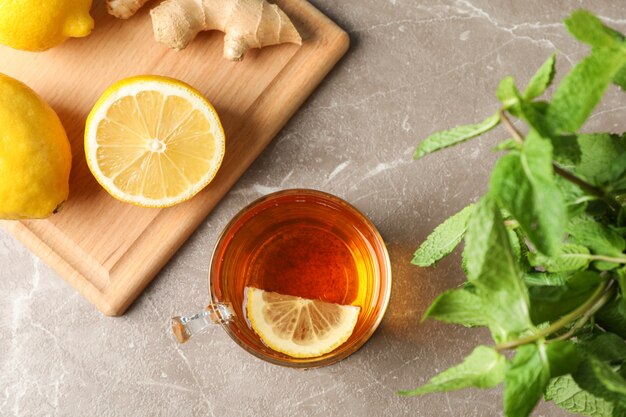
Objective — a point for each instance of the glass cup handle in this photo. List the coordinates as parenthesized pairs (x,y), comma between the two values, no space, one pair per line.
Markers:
(183,327)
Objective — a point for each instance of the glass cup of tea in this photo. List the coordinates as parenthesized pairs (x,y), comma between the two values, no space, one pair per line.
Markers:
(307,258)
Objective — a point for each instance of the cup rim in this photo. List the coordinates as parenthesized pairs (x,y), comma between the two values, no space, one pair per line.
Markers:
(385,268)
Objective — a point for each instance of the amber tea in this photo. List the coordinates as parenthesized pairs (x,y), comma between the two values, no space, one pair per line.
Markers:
(300,243)
(308,259)
(306,244)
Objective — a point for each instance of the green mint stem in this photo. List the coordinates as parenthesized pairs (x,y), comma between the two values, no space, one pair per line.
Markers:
(512,129)
(511,224)
(612,202)
(591,189)
(592,304)
(606,296)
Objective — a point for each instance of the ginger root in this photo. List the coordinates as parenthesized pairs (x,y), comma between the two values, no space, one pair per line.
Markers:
(246,23)
(124,9)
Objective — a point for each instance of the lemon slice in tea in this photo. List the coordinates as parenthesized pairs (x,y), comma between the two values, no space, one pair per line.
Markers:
(153,141)
(299,327)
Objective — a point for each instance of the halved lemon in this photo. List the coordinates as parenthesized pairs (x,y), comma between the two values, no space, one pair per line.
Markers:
(299,327)
(153,141)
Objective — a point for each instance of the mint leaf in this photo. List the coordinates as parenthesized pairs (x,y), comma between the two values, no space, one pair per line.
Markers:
(541,80)
(541,107)
(566,150)
(571,258)
(520,249)
(483,368)
(523,183)
(619,410)
(620,78)
(607,347)
(507,93)
(532,113)
(485,233)
(443,239)
(598,152)
(601,239)
(530,372)
(573,196)
(563,357)
(612,317)
(565,393)
(621,279)
(601,380)
(462,306)
(548,303)
(454,136)
(582,88)
(617,184)
(589,29)
(618,168)
(535,118)
(459,306)
(539,279)
(605,266)
(507,145)
(493,270)
(525,380)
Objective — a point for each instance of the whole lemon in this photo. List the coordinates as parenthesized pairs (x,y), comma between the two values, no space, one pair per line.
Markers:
(37,25)
(35,155)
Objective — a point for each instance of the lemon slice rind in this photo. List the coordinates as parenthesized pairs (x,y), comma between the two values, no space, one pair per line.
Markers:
(333,334)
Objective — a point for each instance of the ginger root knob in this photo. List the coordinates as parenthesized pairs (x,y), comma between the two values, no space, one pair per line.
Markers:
(124,9)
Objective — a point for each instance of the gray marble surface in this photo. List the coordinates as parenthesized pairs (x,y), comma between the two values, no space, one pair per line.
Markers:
(413,67)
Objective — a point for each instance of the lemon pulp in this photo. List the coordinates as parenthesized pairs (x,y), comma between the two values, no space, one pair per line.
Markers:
(153,141)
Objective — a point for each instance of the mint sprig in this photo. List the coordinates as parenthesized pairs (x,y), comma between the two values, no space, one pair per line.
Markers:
(544,248)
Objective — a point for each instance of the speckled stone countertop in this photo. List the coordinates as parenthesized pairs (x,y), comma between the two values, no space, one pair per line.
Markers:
(414,67)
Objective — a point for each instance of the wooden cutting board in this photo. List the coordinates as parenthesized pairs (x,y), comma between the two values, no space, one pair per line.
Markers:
(108,250)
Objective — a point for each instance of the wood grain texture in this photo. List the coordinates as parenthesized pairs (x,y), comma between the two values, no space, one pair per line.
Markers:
(108,250)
